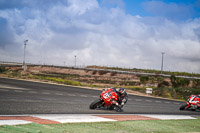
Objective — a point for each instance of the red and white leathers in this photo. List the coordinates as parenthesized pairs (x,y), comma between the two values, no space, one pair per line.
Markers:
(195,100)
(122,98)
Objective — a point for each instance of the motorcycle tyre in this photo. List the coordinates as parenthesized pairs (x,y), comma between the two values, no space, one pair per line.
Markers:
(118,109)
(111,108)
(95,104)
(183,107)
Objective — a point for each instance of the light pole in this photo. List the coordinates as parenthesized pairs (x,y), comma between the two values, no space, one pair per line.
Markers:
(24,65)
(75,60)
(162,62)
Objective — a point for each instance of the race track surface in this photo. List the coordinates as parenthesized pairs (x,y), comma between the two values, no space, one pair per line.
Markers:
(25,97)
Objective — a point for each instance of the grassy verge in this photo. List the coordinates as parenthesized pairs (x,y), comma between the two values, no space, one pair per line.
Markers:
(59,80)
(150,126)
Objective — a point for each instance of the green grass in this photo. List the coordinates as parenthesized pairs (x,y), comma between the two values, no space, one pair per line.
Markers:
(148,126)
(59,80)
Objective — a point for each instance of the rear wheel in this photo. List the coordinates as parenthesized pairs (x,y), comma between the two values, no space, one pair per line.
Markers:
(183,106)
(95,104)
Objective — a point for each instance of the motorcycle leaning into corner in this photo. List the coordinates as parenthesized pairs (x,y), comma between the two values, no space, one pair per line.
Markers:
(193,103)
(109,100)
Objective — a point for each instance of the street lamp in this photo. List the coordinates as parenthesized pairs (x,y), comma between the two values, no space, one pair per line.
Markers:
(75,60)
(24,54)
(162,62)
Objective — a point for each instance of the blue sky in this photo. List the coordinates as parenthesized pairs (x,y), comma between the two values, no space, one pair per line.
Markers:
(135,7)
(124,33)
(141,7)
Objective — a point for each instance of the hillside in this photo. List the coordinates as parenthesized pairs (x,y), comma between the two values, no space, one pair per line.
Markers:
(165,86)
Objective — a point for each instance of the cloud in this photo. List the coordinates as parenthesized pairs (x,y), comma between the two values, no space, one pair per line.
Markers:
(58,30)
(6,35)
(112,3)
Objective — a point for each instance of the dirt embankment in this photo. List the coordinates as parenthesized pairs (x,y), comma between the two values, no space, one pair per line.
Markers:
(92,77)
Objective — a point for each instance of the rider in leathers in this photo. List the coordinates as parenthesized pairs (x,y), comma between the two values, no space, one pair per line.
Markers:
(123,97)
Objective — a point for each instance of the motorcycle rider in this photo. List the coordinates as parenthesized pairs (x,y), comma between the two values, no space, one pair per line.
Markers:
(123,96)
(195,100)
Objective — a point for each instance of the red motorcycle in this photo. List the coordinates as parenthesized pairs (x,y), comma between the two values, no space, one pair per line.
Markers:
(108,99)
(192,103)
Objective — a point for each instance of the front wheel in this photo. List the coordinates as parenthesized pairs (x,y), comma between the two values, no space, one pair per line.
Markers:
(118,109)
(95,104)
(183,106)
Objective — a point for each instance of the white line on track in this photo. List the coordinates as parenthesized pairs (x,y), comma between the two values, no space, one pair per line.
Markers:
(148,100)
(12,87)
(3,90)
(32,92)
(18,91)
(167,102)
(59,94)
(46,93)
(71,95)
(158,101)
(83,96)
(176,103)
(138,100)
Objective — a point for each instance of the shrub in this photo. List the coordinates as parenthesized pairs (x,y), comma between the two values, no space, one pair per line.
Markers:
(2,69)
(113,74)
(144,79)
(176,93)
(152,79)
(163,84)
(173,80)
(196,83)
(160,79)
(177,82)
(140,89)
(15,73)
(94,72)
(182,82)
(102,72)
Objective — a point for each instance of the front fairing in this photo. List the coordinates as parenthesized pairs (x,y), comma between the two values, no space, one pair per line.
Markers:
(109,97)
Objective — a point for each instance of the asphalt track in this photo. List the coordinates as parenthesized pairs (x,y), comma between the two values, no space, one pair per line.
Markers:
(25,97)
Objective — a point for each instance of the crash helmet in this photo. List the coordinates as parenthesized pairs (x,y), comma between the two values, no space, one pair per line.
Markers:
(112,88)
(122,91)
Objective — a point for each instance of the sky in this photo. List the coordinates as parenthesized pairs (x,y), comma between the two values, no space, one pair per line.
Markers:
(115,33)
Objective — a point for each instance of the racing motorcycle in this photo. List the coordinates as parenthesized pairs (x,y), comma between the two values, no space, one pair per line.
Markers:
(108,99)
(192,103)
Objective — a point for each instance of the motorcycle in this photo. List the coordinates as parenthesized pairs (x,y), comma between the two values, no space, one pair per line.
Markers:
(192,103)
(108,99)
